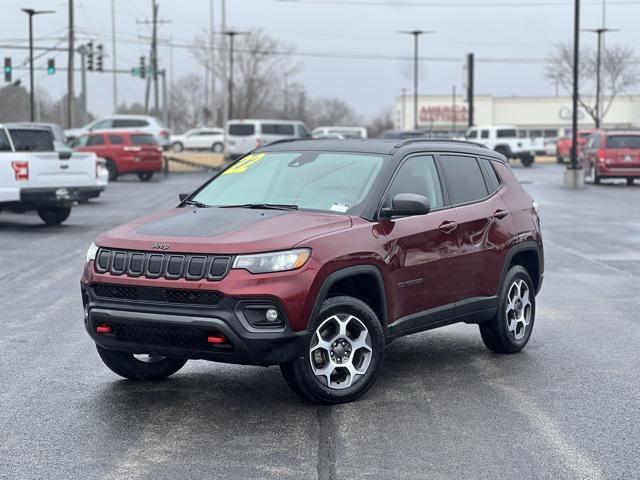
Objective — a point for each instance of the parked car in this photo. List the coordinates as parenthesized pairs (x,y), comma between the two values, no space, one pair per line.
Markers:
(313,255)
(140,123)
(33,176)
(346,132)
(242,136)
(612,154)
(199,139)
(124,152)
(563,145)
(506,140)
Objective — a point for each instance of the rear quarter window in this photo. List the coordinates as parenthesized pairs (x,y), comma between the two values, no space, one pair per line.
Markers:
(464,178)
(242,129)
(492,176)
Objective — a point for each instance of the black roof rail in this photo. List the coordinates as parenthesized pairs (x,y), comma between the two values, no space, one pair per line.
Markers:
(439,140)
(285,140)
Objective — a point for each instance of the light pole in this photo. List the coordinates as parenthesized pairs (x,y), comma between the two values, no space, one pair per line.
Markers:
(31,12)
(576,61)
(416,34)
(600,33)
(231,34)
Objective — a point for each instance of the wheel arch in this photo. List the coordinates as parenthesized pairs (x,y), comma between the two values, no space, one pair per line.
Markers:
(345,282)
(528,255)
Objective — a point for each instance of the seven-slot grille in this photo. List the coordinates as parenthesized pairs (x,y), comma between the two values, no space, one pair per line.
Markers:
(155,294)
(191,266)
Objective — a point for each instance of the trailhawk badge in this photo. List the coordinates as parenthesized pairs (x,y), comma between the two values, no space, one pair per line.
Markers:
(160,246)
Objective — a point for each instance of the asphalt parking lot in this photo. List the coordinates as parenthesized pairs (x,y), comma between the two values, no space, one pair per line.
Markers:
(443,407)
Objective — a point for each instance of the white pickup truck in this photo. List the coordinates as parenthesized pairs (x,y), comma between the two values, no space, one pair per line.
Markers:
(34,176)
(505,139)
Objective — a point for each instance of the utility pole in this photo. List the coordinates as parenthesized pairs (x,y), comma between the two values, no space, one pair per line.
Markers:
(31,12)
(114,62)
(286,95)
(212,69)
(153,57)
(600,34)
(225,92)
(470,93)
(416,34)
(576,61)
(165,107)
(82,50)
(231,34)
(453,109)
(71,54)
(404,107)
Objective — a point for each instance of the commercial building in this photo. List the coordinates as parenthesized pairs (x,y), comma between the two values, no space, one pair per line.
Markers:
(547,117)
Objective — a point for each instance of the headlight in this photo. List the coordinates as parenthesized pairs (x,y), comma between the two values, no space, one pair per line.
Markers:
(274,261)
(91,253)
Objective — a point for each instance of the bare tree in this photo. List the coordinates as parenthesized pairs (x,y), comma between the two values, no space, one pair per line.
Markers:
(380,122)
(261,62)
(619,70)
(330,111)
(186,103)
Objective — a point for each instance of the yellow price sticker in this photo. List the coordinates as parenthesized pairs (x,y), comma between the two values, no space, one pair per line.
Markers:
(244,164)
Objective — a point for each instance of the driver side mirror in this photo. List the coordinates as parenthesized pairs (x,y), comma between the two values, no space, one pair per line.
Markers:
(183,196)
(405,205)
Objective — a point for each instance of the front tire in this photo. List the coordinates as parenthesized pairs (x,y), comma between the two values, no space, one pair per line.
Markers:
(52,215)
(145,176)
(527,160)
(150,368)
(112,169)
(509,331)
(177,147)
(217,147)
(344,354)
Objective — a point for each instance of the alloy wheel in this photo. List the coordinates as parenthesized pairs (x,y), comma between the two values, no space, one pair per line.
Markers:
(518,309)
(340,351)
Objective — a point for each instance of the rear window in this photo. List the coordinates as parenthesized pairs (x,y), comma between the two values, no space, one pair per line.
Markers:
(28,140)
(129,122)
(464,177)
(623,141)
(507,133)
(277,129)
(143,139)
(242,129)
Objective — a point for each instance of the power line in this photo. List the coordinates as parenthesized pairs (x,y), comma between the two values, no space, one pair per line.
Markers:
(441,4)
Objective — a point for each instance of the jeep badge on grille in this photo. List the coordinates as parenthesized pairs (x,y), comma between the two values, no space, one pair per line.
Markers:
(160,246)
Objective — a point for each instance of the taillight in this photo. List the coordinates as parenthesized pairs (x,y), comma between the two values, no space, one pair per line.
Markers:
(20,170)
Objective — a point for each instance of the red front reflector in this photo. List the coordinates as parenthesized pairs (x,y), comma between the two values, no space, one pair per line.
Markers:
(20,170)
(104,328)
(217,339)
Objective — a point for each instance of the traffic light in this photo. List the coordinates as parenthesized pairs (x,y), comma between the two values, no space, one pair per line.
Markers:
(51,67)
(99,57)
(143,67)
(7,69)
(90,56)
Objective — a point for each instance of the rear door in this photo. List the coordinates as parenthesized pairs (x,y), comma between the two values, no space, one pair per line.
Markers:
(241,137)
(421,248)
(484,227)
(622,151)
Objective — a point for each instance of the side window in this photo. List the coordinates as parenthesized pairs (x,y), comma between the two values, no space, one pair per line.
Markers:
(484,134)
(129,123)
(417,175)
(95,140)
(82,141)
(473,133)
(494,180)
(303,132)
(115,140)
(101,125)
(507,133)
(464,178)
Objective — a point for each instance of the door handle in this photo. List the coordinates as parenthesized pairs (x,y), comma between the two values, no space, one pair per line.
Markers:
(448,227)
(499,214)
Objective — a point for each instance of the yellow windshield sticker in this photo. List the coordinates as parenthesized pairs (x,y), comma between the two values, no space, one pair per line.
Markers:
(244,164)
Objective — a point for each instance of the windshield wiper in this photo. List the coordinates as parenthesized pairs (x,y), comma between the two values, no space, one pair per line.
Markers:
(262,206)
(195,203)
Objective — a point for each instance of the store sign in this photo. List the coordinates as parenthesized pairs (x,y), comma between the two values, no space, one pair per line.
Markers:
(565,113)
(443,114)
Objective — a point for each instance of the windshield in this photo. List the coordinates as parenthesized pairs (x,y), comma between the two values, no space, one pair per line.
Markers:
(143,139)
(332,182)
(623,141)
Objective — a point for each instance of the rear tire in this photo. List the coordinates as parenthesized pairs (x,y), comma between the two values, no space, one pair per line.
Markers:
(345,352)
(510,330)
(177,147)
(527,160)
(145,176)
(559,158)
(112,169)
(630,181)
(126,365)
(52,215)
(593,174)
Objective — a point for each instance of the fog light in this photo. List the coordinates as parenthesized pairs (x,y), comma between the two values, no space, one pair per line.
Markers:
(272,315)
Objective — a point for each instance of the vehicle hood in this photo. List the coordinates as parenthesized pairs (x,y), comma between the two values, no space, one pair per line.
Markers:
(223,230)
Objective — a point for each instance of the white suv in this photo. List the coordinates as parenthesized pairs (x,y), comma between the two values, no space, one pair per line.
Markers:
(139,123)
(242,136)
(504,139)
(199,139)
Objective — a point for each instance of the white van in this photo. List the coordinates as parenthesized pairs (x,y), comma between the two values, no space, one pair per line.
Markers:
(346,132)
(245,135)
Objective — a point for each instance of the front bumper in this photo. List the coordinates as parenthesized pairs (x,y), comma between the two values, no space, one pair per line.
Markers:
(183,330)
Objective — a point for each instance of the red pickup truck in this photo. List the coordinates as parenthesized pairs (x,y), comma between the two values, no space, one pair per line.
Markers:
(563,145)
(124,152)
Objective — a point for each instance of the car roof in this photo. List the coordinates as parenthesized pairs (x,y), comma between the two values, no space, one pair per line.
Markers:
(381,146)
(621,132)
(27,126)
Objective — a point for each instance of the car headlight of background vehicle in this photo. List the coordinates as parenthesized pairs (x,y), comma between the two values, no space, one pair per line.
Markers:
(273,261)
(92,252)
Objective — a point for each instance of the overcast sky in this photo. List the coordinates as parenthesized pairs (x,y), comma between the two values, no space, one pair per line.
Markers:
(492,29)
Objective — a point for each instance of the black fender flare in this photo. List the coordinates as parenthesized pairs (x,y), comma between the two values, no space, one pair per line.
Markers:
(370,270)
(526,246)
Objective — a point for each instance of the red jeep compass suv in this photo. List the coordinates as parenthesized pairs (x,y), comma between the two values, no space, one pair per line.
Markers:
(315,254)
(124,152)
